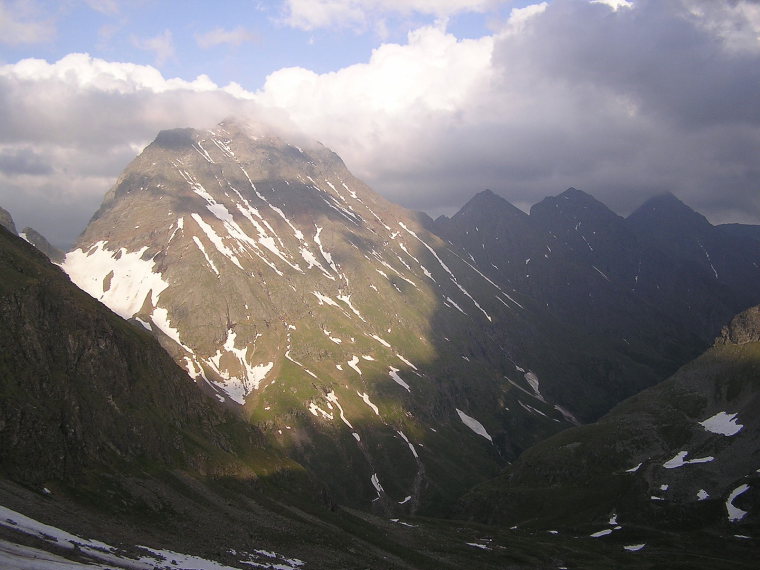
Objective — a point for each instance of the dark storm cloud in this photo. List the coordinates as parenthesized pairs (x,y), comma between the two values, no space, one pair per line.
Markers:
(23,161)
(664,96)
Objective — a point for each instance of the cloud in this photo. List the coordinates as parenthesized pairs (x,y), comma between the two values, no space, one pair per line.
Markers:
(220,36)
(623,102)
(15,161)
(161,45)
(358,14)
(71,126)
(23,22)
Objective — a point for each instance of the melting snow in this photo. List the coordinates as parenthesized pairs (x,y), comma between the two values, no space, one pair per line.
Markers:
(199,243)
(328,258)
(381,341)
(734,513)
(397,379)
(446,269)
(376,484)
(317,411)
(634,469)
(133,278)
(405,361)
(160,318)
(722,423)
(634,547)
(474,425)
(324,299)
(216,240)
(353,363)
(367,401)
(601,533)
(703,495)
(334,399)
(409,443)
(532,380)
(314,262)
(237,388)
(680,460)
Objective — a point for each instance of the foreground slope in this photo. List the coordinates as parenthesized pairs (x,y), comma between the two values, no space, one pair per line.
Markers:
(361,344)
(682,455)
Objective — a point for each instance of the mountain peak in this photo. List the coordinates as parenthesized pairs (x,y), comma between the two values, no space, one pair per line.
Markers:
(574,204)
(490,203)
(40,242)
(666,208)
(6,220)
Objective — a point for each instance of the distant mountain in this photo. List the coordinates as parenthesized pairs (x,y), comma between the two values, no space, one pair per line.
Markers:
(727,259)
(40,242)
(6,221)
(741,230)
(645,285)
(682,455)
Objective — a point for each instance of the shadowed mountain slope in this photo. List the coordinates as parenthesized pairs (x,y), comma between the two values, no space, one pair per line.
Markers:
(681,455)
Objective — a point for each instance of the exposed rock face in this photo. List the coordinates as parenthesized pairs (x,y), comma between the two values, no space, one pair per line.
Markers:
(6,220)
(40,242)
(743,328)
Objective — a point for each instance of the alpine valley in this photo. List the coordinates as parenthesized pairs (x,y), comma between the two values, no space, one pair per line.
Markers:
(285,370)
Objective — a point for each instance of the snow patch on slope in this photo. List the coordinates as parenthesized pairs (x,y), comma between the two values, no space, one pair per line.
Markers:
(474,425)
(132,277)
(722,423)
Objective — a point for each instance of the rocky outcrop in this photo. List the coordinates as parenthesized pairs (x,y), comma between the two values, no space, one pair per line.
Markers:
(40,242)
(743,328)
(6,221)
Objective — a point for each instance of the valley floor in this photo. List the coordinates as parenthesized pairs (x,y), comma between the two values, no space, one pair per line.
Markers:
(238,533)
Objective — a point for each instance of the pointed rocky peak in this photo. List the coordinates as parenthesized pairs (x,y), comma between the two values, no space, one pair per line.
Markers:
(573,205)
(174,139)
(487,206)
(665,210)
(488,225)
(6,220)
(40,242)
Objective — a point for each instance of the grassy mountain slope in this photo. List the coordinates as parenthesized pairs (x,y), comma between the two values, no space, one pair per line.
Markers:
(681,455)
